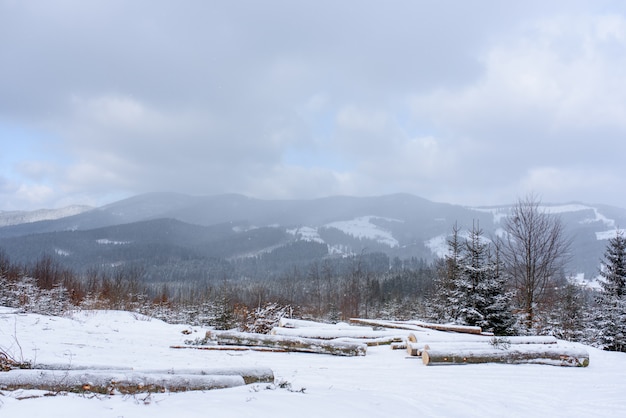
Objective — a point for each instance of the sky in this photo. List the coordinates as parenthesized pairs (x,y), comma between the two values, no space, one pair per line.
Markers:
(473,103)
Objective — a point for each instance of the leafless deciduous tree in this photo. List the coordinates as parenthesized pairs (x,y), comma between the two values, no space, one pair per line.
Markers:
(535,250)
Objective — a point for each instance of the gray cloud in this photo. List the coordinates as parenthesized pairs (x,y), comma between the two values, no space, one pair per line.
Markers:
(465,102)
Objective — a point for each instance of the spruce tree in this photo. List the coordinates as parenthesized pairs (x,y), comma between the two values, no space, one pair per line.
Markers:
(471,289)
(611,314)
(482,286)
(445,302)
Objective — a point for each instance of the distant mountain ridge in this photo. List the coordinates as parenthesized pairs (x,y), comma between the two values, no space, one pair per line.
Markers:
(218,232)
(18,217)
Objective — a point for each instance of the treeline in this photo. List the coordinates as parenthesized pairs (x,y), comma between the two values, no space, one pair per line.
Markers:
(332,290)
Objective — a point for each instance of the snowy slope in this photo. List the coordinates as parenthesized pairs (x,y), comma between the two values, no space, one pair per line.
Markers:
(8,218)
(383,383)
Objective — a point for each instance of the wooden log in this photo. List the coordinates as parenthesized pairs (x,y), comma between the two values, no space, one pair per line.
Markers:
(544,354)
(370,342)
(303,323)
(249,374)
(386,324)
(464,329)
(463,339)
(110,382)
(295,344)
(416,349)
(231,348)
(332,334)
(418,326)
(399,346)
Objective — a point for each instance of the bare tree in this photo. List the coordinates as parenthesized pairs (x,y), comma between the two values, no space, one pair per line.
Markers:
(535,251)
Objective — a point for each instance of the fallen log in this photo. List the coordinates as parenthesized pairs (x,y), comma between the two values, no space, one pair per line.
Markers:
(399,346)
(303,323)
(249,374)
(332,334)
(110,382)
(464,329)
(386,324)
(230,348)
(295,344)
(463,339)
(418,326)
(416,349)
(544,354)
(370,342)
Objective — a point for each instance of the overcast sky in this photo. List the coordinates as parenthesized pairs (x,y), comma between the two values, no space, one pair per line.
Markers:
(470,102)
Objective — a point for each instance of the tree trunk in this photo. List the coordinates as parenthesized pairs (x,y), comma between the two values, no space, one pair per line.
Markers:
(330,333)
(556,356)
(416,349)
(306,345)
(418,325)
(110,382)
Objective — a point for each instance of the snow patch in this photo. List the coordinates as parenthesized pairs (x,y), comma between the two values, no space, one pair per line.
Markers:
(611,233)
(363,227)
(105,241)
(438,245)
(579,280)
(306,233)
(62,253)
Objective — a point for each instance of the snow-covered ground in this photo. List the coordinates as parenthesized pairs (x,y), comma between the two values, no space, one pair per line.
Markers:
(363,227)
(384,383)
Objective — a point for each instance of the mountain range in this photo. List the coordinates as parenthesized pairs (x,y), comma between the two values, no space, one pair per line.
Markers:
(183,237)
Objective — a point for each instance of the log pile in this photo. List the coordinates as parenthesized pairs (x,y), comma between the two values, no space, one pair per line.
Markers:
(476,346)
(507,350)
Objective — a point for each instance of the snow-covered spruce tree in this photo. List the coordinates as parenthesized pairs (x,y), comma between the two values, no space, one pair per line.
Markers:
(568,318)
(611,313)
(484,299)
(470,286)
(444,304)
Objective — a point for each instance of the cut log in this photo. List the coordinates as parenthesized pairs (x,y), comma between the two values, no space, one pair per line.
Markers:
(543,354)
(416,349)
(386,324)
(230,348)
(295,344)
(399,346)
(109,382)
(417,326)
(303,323)
(331,334)
(249,374)
(463,339)
(464,329)
(370,342)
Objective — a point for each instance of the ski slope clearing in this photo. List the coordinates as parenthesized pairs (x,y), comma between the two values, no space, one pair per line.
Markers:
(382,383)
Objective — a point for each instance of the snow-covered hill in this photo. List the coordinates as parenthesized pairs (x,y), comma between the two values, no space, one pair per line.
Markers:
(401,225)
(8,218)
(381,384)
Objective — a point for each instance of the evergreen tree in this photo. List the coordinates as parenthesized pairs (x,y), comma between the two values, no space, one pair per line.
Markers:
(611,313)
(471,288)
(482,287)
(445,303)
